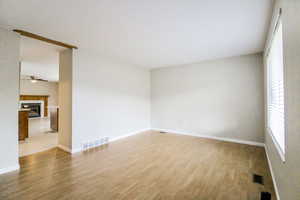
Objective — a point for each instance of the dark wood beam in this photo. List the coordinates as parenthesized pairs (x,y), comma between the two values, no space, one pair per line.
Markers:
(41,38)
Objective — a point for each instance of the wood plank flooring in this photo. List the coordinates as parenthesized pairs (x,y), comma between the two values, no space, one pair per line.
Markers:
(146,166)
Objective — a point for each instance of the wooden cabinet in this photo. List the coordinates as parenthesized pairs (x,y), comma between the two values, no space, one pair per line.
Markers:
(23,125)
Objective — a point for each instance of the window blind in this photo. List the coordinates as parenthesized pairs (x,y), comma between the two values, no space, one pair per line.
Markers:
(276,121)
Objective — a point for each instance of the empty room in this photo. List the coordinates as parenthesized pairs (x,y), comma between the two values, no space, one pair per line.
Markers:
(154,100)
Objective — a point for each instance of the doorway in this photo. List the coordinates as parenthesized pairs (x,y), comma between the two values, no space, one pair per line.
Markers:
(38,104)
(10,78)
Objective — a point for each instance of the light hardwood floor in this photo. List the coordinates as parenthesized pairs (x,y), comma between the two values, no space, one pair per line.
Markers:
(145,166)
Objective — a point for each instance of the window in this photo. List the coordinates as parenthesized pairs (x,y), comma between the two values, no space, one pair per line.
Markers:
(276,116)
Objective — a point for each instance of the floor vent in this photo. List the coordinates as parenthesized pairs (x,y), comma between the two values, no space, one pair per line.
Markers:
(162,132)
(265,196)
(258,179)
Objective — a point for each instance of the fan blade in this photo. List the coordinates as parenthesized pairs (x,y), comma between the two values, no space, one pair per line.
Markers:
(39,79)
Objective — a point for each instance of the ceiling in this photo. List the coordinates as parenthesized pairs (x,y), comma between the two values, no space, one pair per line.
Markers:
(148,33)
(39,59)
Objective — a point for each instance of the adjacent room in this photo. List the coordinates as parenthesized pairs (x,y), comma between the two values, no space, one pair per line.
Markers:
(39,77)
(169,99)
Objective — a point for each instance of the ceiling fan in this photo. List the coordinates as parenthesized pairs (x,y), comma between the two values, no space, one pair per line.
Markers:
(35,79)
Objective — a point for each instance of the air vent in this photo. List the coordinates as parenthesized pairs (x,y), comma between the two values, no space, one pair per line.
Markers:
(94,143)
(258,179)
(162,132)
(265,196)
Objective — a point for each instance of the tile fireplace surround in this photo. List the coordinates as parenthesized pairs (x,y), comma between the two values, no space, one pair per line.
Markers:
(43,99)
(42,106)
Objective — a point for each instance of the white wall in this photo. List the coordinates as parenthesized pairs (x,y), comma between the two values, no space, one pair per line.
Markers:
(40,88)
(9,95)
(65,99)
(109,98)
(287,174)
(220,98)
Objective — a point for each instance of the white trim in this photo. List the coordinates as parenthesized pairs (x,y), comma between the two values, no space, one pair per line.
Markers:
(72,151)
(75,150)
(277,146)
(129,134)
(212,137)
(272,174)
(67,149)
(274,28)
(10,169)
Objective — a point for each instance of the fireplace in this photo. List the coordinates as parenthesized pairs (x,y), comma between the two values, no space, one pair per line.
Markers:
(35,107)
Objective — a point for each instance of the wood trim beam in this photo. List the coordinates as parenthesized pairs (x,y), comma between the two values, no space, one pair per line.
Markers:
(41,38)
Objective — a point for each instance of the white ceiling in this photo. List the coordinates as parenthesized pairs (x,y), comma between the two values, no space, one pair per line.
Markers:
(149,33)
(39,59)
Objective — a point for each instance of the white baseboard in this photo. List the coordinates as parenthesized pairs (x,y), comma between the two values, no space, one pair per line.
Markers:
(76,150)
(67,149)
(211,137)
(10,169)
(272,174)
(129,134)
(72,151)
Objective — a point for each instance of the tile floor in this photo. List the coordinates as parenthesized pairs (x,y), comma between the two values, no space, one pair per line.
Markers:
(40,137)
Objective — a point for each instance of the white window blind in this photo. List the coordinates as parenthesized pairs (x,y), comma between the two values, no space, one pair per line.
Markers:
(276,121)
